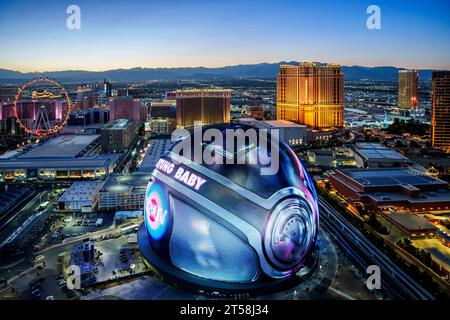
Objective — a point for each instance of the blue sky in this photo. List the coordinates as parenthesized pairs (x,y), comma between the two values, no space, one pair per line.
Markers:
(156,33)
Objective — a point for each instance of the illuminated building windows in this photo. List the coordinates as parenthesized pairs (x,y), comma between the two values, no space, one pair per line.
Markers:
(311,95)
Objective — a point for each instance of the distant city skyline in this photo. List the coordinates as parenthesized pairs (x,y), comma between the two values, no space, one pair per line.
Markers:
(152,34)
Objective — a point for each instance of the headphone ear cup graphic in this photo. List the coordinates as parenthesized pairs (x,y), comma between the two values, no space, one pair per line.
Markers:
(228,225)
(290,232)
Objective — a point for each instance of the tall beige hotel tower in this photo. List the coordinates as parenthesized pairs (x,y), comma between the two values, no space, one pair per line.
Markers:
(408,89)
(312,95)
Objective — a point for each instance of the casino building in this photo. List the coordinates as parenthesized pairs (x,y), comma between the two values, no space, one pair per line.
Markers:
(312,95)
(205,106)
(123,192)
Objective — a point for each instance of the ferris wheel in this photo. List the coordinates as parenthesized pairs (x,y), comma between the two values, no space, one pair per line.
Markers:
(42,106)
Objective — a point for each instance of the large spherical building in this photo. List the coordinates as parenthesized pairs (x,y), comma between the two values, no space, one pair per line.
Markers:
(224,225)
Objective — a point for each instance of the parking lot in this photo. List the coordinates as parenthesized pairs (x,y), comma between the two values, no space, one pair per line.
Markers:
(118,259)
(51,287)
(78,224)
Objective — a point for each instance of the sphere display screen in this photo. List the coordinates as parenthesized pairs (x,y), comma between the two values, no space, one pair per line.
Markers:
(227,223)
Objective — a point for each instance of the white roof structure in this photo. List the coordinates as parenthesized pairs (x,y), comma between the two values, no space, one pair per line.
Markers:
(282,124)
(81,191)
(66,146)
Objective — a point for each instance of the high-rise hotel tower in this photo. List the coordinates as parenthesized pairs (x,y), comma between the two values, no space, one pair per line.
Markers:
(203,106)
(312,95)
(408,89)
(440,110)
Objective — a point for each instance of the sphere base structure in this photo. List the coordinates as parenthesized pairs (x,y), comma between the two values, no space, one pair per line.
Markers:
(198,285)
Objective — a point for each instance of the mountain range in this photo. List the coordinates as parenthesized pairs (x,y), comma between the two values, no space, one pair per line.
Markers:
(245,71)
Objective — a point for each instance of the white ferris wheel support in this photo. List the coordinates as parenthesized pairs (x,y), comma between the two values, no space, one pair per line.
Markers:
(42,121)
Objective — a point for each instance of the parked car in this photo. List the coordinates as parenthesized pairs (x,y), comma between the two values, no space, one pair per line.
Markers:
(39,257)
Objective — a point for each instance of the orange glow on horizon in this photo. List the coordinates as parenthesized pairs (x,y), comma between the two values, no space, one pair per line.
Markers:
(198,62)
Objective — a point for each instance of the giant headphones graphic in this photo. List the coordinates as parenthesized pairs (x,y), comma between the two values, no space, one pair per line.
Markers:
(226,224)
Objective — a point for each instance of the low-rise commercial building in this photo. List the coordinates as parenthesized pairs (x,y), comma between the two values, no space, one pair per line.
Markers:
(290,133)
(320,135)
(256,112)
(63,157)
(81,196)
(334,157)
(156,148)
(392,188)
(375,155)
(123,192)
(411,224)
(323,158)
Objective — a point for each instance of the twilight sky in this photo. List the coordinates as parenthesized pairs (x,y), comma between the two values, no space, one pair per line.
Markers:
(211,33)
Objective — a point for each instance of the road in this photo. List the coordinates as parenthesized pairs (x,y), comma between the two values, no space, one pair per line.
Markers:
(11,213)
(364,253)
(91,235)
(17,218)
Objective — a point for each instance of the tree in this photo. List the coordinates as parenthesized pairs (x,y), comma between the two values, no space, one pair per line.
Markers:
(411,126)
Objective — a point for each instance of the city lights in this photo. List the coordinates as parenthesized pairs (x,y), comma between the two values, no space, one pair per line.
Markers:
(211,157)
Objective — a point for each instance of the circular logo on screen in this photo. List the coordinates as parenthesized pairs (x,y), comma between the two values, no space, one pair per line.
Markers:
(156,211)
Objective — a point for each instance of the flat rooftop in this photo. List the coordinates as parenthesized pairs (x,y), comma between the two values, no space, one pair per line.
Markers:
(391,177)
(60,163)
(211,90)
(282,124)
(375,151)
(118,124)
(125,183)
(246,120)
(155,150)
(439,197)
(81,191)
(321,152)
(163,103)
(65,146)
(410,221)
